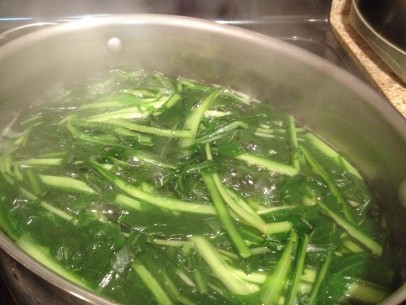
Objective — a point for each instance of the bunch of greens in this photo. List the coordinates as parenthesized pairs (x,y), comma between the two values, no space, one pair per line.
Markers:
(154,190)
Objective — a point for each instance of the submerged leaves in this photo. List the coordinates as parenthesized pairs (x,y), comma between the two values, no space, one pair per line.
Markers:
(143,187)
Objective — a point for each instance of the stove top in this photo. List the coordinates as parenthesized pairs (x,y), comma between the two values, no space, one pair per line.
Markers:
(304,23)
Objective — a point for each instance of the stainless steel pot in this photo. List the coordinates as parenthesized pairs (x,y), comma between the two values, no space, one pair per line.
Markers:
(383,26)
(340,108)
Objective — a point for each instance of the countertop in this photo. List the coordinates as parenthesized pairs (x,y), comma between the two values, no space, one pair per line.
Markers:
(376,71)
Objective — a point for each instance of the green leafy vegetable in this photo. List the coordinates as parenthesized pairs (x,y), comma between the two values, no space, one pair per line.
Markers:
(155,190)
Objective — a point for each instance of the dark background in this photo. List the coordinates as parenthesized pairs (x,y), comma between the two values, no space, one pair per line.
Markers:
(5,296)
(199,8)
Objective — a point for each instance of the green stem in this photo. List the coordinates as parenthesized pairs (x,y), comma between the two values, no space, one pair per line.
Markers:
(192,122)
(274,166)
(293,142)
(42,255)
(156,200)
(56,211)
(320,278)
(66,183)
(200,281)
(222,270)
(172,100)
(225,217)
(128,202)
(151,283)
(275,282)
(252,219)
(169,133)
(33,179)
(170,285)
(173,243)
(321,146)
(76,133)
(366,292)
(319,169)
(298,270)
(219,133)
(352,230)
(40,162)
(150,158)
(126,113)
(53,210)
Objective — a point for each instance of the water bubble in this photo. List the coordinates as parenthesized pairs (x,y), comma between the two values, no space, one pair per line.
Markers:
(115,45)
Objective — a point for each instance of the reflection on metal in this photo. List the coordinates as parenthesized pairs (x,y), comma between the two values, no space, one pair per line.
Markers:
(26,28)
